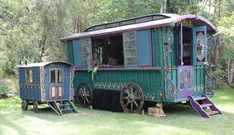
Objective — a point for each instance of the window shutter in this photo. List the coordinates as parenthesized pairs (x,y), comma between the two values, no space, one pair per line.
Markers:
(68,47)
(77,53)
(86,52)
(144,57)
(129,43)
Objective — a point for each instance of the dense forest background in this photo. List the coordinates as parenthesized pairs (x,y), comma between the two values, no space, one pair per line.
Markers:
(31,29)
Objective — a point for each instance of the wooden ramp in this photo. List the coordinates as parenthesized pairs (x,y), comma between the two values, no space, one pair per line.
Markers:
(61,106)
(204,107)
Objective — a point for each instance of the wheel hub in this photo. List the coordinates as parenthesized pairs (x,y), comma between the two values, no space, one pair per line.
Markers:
(130,98)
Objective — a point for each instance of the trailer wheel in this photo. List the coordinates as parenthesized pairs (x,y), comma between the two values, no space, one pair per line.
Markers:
(132,98)
(35,107)
(24,105)
(84,94)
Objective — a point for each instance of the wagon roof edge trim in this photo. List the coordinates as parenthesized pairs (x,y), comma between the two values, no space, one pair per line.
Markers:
(42,64)
(174,18)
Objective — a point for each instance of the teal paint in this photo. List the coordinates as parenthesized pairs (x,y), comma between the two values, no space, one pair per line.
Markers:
(197,29)
(143,43)
(77,53)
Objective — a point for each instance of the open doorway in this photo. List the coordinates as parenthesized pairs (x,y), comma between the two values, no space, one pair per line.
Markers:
(187,46)
(108,51)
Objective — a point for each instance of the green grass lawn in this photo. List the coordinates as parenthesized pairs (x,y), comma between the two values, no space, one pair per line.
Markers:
(180,120)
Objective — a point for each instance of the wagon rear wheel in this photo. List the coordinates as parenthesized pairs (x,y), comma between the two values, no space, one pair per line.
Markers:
(35,107)
(132,98)
(85,95)
(24,105)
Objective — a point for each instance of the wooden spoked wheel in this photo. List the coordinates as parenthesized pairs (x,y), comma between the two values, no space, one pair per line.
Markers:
(132,98)
(24,105)
(35,107)
(85,95)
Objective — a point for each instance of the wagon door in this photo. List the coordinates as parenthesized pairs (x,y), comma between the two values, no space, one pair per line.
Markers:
(56,84)
(185,81)
(199,45)
(199,59)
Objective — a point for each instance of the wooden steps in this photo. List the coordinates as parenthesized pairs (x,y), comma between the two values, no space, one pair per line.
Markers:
(61,106)
(206,108)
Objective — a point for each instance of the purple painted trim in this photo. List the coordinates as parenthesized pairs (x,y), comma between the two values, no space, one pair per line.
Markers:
(151,55)
(104,32)
(185,67)
(151,48)
(181,45)
(185,93)
(147,25)
(136,48)
(123,69)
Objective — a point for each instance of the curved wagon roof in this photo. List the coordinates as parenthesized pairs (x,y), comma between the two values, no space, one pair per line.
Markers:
(42,64)
(150,21)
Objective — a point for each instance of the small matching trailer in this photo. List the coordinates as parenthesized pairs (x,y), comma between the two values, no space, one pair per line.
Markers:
(47,82)
(160,58)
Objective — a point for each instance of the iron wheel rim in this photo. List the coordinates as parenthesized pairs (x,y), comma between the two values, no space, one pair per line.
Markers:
(85,95)
(132,98)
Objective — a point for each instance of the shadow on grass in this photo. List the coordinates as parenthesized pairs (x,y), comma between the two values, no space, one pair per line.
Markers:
(11,125)
(179,117)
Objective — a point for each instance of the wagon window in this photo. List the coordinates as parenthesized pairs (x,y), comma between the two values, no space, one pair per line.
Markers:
(29,78)
(56,76)
(108,51)
(130,55)
(52,76)
(60,76)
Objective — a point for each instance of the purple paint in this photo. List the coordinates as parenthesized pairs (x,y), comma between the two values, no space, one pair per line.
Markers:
(147,25)
(184,93)
(121,68)
(185,81)
(181,45)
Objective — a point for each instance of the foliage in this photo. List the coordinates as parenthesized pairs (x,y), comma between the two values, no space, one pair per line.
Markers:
(226,28)
(31,29)
(4,91)
(220,77)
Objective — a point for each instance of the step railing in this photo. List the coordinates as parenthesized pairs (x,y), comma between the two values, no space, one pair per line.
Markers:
(210,83)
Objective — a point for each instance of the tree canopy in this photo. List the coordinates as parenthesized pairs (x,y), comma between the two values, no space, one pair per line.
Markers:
(31,29)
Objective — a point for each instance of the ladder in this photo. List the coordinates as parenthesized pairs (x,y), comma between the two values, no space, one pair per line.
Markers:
(62,106)
(204,107)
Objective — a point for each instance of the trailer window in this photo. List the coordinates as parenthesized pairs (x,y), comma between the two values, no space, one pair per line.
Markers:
(108,51)
(52,76)
(29,77)
(56,76)
(60,76)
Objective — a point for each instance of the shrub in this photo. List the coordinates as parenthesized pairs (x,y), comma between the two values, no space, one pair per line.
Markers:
(4,91)
(220,78)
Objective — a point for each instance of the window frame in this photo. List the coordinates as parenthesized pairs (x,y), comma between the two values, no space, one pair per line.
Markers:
(56,79)
(28,75)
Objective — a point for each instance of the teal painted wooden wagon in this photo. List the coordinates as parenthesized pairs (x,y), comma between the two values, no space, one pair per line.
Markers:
(160,58)
(47,82)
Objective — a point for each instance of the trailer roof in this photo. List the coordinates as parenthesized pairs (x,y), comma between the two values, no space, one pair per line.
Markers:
(145,22)
(42,64)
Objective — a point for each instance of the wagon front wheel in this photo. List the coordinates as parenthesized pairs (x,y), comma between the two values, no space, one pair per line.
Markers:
(132,98)
(35,107)
(85,95)
(24,105)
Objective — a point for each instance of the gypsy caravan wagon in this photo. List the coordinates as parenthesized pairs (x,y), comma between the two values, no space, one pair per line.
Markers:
(47,82)
(160,58)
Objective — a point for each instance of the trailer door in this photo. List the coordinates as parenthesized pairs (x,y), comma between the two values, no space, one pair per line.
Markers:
(199,45)
(56,84)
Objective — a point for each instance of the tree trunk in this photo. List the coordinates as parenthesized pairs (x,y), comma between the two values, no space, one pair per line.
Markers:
(42,47)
